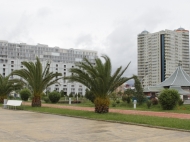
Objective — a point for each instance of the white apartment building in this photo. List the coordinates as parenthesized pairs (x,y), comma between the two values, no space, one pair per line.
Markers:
(159,54)
(12,54)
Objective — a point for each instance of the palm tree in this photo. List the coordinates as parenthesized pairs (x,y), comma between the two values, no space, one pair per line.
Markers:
(8,85)
(37,79)
(98,79)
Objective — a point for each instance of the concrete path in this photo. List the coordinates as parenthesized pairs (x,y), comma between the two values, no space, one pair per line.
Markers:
(135,112)
(24,126)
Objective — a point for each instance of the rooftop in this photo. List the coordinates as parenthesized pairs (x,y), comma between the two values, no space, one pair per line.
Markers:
(178,78)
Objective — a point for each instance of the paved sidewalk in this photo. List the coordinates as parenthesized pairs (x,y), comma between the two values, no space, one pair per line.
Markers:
(25,126)
(135,112)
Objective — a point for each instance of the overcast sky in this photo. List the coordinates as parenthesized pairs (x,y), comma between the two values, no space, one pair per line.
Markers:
(107,26)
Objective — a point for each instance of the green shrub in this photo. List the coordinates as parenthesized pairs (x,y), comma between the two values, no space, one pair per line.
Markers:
(113,104)
(70,95)
(126,99)
(54,96)
(46,99)
(43,95)
(11,97)
(79,95)
(169,98)
(25,94)
(117,101)
(149,103)
(180,102)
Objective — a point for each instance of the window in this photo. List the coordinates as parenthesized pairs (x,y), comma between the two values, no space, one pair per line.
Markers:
(12,62)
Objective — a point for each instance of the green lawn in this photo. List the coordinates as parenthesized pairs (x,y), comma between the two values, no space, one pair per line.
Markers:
(135,119)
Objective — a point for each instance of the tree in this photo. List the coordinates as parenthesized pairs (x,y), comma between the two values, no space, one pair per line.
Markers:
(129,92)
(139,90)
(37,79)
(8,85)
(98,78)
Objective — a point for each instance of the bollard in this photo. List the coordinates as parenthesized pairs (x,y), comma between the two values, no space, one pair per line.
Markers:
(4,103)
(69,100)
(135,102)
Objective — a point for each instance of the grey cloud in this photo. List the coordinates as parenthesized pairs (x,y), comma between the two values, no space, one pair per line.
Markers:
(121,48)
(44,12)
(84,40)
(21,30)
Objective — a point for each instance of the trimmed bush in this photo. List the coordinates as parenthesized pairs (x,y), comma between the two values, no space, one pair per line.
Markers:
(54,96)
(25,94)
(169,98)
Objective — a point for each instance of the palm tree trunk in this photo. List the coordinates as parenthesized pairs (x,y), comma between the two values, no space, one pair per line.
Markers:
(36,102)
(101,105)
(101,109)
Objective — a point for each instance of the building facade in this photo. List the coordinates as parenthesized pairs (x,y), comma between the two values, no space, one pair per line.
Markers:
(160,53)
(12,54)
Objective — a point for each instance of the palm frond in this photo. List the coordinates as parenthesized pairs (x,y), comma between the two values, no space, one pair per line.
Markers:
(98,78)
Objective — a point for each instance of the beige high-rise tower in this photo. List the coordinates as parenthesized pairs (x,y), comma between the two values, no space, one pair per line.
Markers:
(159,54)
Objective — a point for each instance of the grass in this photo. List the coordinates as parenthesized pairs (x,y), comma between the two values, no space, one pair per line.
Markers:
(135,119)
(143,107)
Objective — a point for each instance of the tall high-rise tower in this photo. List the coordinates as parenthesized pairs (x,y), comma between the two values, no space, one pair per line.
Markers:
(159,54)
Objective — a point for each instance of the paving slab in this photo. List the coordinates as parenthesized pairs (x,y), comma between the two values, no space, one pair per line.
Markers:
(25,126)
